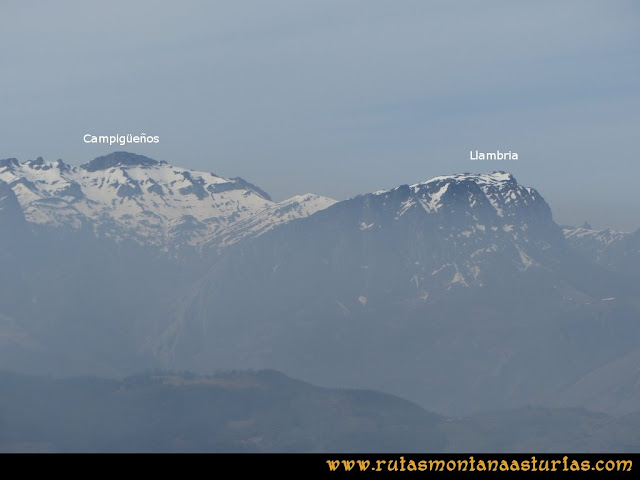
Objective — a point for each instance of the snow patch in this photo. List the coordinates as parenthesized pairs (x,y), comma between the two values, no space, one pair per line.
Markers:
(365,226)
(525,259)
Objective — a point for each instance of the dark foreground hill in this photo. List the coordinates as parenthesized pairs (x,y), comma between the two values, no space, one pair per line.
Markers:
(265,411)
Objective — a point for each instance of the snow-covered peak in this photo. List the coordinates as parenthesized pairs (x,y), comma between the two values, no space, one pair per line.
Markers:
(611,249)
(478,216)
(119,159)
(124,195)
(487,181)
(499,190)
(498,179)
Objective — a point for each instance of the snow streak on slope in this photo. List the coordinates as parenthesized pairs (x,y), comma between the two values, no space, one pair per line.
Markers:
(275,214)
(602,238)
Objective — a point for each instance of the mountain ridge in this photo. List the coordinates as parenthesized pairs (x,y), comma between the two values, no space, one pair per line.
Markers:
(128,196)
(267,411)
(460,293)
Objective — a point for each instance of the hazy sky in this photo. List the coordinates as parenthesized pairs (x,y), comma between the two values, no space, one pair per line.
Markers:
(339,98)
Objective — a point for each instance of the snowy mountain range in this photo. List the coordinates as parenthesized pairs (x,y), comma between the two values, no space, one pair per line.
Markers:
(128,196)
(460,292)
(611,249)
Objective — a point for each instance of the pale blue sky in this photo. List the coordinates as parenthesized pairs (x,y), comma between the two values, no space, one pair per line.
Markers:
(339,98)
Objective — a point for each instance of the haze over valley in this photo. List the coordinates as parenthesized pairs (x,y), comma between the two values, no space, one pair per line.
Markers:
(460,294)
